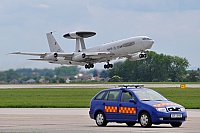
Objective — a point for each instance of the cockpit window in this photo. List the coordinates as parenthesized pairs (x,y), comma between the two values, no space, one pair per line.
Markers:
(146,38)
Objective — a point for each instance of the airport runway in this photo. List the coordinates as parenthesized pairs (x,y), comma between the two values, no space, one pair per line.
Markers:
(76,120)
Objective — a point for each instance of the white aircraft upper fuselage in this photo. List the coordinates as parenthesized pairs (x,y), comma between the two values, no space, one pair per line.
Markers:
(132,48)
(124,47)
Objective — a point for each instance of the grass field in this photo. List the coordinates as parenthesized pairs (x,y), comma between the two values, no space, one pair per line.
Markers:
(80,98)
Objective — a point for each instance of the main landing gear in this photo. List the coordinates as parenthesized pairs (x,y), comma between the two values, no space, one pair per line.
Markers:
(91,65)
(107,66)
(88,66)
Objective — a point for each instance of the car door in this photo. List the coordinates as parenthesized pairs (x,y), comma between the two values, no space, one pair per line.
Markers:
(127,109)
(110,104)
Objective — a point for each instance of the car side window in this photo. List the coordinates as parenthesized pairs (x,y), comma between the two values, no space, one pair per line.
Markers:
(99,96)
(126,96)
(112,95)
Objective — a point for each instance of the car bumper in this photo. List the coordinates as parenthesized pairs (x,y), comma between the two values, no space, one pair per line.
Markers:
(166,117)
(91,114)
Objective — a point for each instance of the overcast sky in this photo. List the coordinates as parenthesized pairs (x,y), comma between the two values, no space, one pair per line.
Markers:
(174,25)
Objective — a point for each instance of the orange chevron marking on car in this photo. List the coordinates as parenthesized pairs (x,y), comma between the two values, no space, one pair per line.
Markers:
(127,110)
(164,104)
(110,109)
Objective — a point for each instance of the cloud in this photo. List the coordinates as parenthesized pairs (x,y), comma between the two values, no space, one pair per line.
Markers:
(42,6)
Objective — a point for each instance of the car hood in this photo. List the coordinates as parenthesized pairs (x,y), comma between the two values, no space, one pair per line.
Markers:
(161,103)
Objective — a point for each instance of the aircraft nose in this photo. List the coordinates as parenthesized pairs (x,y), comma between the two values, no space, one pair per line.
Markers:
(150,43)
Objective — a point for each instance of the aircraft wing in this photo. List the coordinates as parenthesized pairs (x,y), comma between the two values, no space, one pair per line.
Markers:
(86,55)
(96,55)
(67,56)
(99,56)
(40,59)
(76,57)
(29,53)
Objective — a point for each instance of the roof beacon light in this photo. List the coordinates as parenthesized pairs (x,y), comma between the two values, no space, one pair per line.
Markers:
(132,85)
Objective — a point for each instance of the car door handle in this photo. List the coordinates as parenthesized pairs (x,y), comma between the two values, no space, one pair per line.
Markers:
(120,105)
(103,104)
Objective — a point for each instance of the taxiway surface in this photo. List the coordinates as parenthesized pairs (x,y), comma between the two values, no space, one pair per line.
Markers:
(76,120)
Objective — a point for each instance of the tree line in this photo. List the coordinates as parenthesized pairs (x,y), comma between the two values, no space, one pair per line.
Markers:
(57,75)
(156,68)
(50,75)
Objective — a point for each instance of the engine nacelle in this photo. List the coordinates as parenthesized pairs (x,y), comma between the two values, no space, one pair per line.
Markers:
(79,57)
(52,56)
(140,56)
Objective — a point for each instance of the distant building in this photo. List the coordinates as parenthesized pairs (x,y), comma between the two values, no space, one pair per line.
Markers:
(14,81)
(42,80)
(30,81)
(3,82)
(81,77)
(67,80)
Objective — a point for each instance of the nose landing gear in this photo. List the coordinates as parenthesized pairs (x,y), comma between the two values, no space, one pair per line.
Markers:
(142,55)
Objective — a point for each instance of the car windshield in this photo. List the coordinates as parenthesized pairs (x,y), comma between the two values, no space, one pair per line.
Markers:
(148,95)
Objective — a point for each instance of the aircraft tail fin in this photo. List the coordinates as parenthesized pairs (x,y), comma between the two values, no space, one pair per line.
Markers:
(53,44)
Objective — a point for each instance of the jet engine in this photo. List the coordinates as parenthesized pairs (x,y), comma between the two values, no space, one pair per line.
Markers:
(52,56)
(139,56)
(79,57)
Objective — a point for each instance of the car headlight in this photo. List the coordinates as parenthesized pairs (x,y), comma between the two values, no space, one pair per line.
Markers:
(161,109)
(182,109)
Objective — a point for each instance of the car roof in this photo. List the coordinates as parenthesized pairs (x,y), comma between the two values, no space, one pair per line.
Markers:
(128,87)
(125,89)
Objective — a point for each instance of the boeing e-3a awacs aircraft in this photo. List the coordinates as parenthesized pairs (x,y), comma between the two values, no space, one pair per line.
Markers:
(132,48)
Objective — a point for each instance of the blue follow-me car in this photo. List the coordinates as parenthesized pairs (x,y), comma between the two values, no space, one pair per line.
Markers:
(132,104)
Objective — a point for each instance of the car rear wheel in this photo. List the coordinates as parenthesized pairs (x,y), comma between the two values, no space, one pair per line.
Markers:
(145,120)
(130,124)
(176,124)
(101,119)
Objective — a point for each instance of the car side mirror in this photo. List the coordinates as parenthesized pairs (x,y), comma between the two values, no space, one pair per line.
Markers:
(132,101)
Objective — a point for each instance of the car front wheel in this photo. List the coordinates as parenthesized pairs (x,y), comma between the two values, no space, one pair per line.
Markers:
(145,120)
(101,119)
(176,124)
